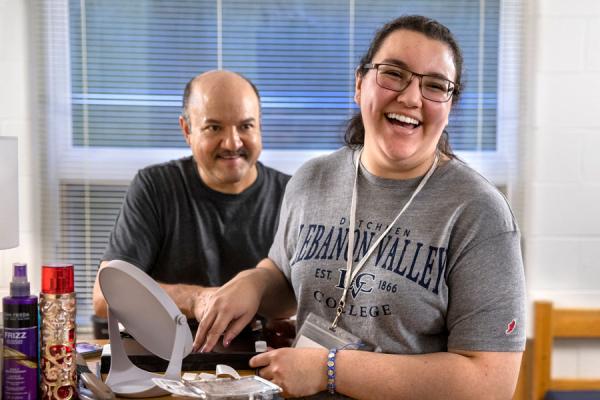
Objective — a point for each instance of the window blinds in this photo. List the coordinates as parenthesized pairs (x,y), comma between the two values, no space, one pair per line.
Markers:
(114,72)
(130,61)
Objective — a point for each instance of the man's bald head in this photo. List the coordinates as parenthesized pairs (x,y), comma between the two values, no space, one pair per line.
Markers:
(211,79)
(221,124)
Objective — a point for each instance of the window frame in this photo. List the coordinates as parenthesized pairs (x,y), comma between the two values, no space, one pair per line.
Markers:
(66,163)
(495,165)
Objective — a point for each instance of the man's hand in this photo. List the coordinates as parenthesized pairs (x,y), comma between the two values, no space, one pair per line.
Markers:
(190,299)
(201,300)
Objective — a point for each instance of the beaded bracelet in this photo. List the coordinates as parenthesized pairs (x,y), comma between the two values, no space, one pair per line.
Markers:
(331,364)
(331,370)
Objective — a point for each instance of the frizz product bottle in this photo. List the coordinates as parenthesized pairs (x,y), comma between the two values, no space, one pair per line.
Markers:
(57,333)
(20,374)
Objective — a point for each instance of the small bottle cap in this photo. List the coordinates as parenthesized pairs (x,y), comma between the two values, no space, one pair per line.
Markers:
(19,287)
(58,278)
(20,271)
(260,346)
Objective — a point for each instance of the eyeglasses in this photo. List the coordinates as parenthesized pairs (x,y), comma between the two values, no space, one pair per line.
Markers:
(393,77)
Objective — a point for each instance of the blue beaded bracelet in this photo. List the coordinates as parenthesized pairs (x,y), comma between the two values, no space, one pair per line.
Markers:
(331,370)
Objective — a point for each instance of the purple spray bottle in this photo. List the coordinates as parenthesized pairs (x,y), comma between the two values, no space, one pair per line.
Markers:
(20,380)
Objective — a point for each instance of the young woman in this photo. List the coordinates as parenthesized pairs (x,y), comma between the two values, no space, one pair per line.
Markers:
(435,276)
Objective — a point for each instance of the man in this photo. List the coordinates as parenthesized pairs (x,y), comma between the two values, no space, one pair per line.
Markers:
(194,223)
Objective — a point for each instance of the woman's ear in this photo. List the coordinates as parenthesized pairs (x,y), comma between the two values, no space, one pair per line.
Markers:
(357,87)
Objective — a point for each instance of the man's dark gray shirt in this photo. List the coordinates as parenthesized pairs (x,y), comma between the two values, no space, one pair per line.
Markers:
(178,230)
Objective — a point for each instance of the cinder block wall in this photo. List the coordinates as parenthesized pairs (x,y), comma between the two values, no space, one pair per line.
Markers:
(561,146)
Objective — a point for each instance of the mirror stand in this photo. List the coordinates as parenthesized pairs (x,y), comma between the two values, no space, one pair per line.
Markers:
(127,380)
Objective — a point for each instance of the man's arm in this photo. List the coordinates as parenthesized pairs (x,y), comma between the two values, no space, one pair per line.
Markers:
(100,307)
(191,299)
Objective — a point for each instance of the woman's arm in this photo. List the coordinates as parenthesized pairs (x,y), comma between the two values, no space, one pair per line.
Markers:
(263,289)
(451,375)
(363,375)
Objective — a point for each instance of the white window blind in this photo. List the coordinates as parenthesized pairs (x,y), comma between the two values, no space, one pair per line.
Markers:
(130,61)
(113,74)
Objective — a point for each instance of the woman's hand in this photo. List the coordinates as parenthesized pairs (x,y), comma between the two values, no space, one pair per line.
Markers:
(234,305)
(227,311)
(299,372)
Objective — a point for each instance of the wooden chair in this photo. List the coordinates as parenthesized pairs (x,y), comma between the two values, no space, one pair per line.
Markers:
(551,323)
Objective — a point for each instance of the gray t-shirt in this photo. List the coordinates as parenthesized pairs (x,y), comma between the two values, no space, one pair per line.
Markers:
(178,230)
(449,274)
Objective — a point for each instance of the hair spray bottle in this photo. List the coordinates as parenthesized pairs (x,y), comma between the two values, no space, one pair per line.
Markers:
(20,380)
(57,313)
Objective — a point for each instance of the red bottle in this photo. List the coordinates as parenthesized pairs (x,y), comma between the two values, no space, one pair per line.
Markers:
(58,369)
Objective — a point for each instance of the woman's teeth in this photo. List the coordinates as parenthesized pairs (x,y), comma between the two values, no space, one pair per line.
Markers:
(402,119)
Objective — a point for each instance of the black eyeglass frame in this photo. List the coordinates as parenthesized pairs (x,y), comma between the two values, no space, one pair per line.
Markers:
(376,66)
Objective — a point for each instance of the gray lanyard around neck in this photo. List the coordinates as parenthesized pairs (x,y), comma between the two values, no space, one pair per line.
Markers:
(350,271)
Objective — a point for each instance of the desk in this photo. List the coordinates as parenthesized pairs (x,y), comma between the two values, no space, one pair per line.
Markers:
(94,366)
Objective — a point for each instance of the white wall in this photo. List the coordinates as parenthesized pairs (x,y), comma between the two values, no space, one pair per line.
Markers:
(17,119)
(561,141)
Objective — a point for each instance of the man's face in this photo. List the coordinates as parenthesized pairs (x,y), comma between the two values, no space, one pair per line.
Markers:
(224,135)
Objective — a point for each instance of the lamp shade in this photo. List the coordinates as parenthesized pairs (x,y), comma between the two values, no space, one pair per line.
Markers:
(9,193)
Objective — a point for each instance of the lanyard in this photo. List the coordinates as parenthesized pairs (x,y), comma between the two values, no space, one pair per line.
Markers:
(350,271)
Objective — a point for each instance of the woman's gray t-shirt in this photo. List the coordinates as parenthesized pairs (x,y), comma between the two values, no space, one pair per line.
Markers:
(448,275)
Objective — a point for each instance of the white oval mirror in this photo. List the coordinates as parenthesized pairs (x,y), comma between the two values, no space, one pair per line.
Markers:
(148,313)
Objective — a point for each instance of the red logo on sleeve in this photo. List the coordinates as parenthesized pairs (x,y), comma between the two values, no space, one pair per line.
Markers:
(511,327)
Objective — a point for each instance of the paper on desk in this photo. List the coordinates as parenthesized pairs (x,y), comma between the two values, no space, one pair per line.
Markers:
(177,388)
(209,386)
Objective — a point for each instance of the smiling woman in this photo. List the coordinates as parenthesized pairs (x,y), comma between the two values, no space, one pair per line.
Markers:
(433,269)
